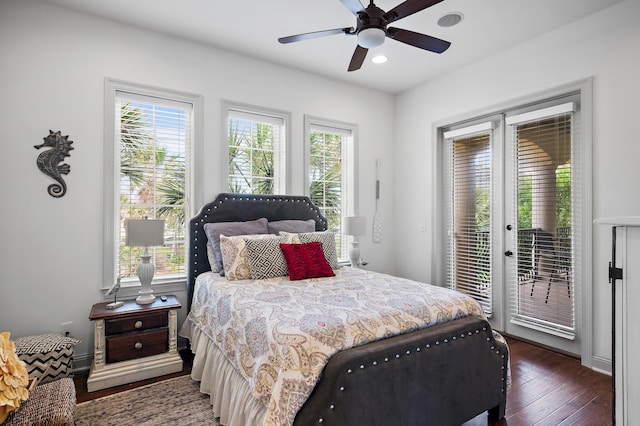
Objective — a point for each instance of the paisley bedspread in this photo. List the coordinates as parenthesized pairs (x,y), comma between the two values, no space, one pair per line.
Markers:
(279,334)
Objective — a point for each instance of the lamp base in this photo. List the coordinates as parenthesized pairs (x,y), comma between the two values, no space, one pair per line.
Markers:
(145,299)
(354,255)
(145,275)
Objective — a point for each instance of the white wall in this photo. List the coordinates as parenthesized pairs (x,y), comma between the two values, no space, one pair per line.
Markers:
(53,63)
(605,46)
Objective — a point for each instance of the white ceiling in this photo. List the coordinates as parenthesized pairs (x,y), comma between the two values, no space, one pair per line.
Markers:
(252,27)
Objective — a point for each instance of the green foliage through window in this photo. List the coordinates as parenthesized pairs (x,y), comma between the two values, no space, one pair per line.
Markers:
(254,150)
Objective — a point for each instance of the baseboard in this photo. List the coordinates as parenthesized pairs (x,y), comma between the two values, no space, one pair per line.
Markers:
(601,365)
(82,363)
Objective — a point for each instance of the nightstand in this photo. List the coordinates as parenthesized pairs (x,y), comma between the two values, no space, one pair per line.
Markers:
(134,342)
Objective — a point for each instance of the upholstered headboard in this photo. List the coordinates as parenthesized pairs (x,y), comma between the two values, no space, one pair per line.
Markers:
(240,208)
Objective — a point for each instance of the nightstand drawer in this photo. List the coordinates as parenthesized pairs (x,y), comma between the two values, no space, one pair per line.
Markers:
(137,344)
(135,323)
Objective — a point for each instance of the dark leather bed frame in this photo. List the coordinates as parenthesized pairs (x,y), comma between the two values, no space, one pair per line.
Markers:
(442,375)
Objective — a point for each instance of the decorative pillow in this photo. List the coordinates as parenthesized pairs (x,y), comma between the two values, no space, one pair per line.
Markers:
(265,258)
(291,226)
(234,255)
(47,353)
(306,261)
(212,258)
(213,231)
(328,241)
(289,238)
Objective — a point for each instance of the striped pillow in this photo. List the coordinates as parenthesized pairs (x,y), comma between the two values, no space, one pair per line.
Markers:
(39,351)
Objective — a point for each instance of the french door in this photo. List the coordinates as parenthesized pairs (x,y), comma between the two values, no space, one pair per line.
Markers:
(512,219)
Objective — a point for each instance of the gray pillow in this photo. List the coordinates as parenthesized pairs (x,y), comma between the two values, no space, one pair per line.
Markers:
(293,226)
(328,241)
(230,229)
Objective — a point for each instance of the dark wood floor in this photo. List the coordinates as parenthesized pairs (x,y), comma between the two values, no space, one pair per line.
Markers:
(547,388)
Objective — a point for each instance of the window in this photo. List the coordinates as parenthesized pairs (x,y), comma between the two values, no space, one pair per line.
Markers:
(256,150)
(331,172)
(149,174)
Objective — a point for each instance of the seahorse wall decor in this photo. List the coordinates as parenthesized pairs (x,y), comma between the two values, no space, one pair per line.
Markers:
(50,162)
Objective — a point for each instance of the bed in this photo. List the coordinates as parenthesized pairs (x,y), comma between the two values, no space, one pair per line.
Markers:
(438,363)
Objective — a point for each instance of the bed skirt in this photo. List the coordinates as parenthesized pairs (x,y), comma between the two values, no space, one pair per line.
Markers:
(230,396)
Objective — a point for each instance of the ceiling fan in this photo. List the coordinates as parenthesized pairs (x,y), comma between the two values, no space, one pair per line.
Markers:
(372,28)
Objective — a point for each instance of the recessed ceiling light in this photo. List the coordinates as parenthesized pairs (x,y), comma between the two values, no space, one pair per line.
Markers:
(450,19)
(379,59)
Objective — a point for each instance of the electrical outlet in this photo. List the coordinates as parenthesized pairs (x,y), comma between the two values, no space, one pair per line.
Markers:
(66,328)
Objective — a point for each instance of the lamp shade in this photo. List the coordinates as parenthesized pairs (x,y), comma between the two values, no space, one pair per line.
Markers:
(355,225)
(144,232)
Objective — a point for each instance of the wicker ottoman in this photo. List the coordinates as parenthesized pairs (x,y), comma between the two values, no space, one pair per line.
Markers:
(50,404)
(48,356)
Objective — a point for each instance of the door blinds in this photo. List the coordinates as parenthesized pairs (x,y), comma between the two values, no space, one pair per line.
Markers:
(543,293)
(468,177)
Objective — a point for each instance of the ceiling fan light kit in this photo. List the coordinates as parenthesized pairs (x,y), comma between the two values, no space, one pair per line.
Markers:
(371,37)
(372,28)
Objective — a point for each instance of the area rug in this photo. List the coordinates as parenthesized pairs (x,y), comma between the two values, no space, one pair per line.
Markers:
(176,401)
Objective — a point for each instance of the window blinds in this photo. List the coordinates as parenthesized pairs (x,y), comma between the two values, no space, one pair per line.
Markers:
(256,152)
(154,136)
(329,178)
(468,208)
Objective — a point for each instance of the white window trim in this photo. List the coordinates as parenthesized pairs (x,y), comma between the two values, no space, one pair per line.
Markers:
(284,151)
(350,159)
(111,180)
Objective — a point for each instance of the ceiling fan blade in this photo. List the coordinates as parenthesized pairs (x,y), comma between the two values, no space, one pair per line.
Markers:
(408,7)
(315,34)
(358,58)
(353,5)
(421,41)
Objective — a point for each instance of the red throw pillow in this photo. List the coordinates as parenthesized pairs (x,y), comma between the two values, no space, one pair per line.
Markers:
(306,261)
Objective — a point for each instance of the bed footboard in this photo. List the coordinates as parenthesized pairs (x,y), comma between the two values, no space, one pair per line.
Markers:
(441,375)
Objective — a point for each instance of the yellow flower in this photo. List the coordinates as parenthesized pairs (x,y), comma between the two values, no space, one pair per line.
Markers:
(14,378)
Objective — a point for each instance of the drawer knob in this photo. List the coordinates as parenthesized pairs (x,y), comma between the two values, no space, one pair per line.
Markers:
(138,345)
(138,324)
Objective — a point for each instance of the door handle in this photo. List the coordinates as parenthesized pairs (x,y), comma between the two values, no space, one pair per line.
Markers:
(508,253)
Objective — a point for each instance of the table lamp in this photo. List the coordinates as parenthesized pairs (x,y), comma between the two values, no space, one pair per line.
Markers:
(145,233)
(355,226)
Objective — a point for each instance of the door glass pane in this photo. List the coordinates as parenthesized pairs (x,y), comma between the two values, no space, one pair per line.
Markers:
(470,262)
(544,287)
